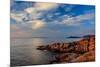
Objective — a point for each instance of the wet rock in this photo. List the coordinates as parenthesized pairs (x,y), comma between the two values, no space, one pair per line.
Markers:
(41,47)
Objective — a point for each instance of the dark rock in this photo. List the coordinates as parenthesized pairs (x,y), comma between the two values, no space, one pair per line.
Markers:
(41,47)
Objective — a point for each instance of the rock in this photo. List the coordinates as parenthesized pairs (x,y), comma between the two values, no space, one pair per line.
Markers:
(59,47)
(92,43)
(85,45)
(81,46)
(66,57)
(42,47)
(78,51)
(88,56)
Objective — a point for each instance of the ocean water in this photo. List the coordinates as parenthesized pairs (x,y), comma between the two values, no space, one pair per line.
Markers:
(24,52)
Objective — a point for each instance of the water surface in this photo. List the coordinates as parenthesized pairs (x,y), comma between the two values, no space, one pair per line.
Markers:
(24,52)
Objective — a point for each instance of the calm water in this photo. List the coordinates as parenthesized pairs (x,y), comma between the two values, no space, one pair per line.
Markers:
(24,52)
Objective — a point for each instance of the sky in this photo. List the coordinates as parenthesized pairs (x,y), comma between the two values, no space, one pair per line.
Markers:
(41,19)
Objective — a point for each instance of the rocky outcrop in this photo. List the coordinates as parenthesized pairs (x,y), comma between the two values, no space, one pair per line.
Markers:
(86,44)
(78,51)
(65,57)
(42,47)
(88,56)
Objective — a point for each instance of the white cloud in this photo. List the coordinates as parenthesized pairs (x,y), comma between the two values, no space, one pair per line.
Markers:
(18,16)
(37,24)
(45,6)
(30,10)
(32,13)
(77,20)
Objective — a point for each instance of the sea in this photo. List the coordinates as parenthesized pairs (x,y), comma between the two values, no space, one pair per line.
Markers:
(23,51)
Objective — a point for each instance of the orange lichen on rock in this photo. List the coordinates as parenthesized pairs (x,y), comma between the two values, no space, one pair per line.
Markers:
(82,45)
(78,51)
(88,56)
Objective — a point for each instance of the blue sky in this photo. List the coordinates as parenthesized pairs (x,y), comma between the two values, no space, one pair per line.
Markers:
(38,19)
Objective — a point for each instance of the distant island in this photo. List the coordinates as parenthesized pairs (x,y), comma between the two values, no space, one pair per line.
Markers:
(85,36)
(73,37)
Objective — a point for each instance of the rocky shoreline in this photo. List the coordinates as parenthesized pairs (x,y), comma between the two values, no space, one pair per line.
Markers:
(78,51)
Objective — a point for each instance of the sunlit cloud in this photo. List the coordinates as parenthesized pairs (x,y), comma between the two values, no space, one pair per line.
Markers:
(45,6)
(42,19)
(37,24)
(17,16)
(30,10)
(33,12)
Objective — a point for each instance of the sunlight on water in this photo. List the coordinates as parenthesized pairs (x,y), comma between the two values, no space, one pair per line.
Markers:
(24,52)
